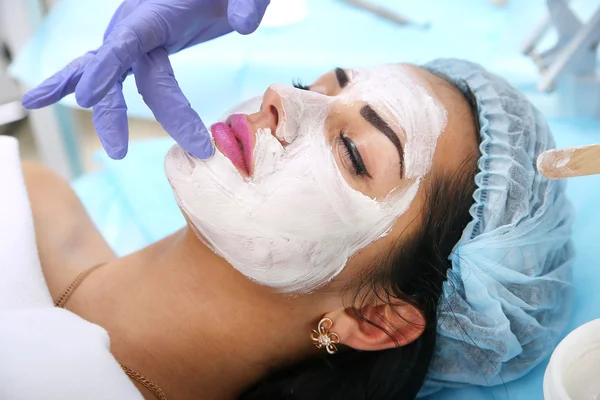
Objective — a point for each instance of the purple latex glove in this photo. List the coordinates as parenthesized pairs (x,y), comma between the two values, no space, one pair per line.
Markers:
(138,40)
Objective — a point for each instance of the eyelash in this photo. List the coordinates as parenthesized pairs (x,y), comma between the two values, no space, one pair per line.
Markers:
(299,85)
(352,155)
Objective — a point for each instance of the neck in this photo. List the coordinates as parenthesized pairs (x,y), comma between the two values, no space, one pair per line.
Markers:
(183,317)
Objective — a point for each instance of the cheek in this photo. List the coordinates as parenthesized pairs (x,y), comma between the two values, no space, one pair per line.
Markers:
(363,262)
(367,257)
(371,257)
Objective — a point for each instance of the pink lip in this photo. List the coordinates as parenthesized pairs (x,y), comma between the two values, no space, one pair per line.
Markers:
(234,140)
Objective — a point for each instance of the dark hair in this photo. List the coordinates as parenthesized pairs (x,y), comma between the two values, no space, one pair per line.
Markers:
(413,272)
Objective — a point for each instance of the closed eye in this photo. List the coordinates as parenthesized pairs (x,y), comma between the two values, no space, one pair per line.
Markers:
(352,154)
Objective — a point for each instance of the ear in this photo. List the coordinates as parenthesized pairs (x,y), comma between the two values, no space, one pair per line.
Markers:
(402,321)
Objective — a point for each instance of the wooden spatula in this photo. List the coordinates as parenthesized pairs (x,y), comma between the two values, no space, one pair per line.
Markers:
(570,162)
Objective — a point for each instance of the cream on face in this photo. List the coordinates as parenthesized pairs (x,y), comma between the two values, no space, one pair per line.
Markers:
(295,223)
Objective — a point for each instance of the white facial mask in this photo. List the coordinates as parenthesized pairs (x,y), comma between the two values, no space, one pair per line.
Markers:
(294,225)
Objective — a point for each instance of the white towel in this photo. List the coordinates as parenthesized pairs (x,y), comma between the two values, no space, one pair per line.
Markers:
(46,353)
(18,251)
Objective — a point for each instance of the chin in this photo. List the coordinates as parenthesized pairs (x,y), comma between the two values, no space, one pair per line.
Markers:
(178,161)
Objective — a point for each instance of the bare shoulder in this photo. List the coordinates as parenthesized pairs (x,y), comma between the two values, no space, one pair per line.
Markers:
(68,242)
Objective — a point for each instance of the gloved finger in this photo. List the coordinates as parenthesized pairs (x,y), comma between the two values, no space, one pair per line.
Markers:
(124,9)
(110,120)
(58,85)
(245,15)
(160,91)
(117,15)
(130,38)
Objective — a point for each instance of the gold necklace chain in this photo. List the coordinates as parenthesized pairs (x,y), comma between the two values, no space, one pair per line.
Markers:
(147,383)
(64,297)
(136,376)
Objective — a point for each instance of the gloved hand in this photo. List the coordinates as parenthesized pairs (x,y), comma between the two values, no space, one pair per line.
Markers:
(138,40)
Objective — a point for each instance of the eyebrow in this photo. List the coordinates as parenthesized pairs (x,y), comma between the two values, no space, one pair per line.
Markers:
(374,119)
(341,76)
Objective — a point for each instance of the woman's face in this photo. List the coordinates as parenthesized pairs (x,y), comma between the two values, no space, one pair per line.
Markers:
(305,178)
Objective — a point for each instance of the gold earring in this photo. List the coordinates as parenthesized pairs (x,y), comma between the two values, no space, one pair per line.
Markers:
(323,338)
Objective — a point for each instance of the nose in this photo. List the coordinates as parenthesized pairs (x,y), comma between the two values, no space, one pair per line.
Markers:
(271,110)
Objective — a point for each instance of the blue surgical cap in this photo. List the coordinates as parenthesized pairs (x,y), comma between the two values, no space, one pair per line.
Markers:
(508,295)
